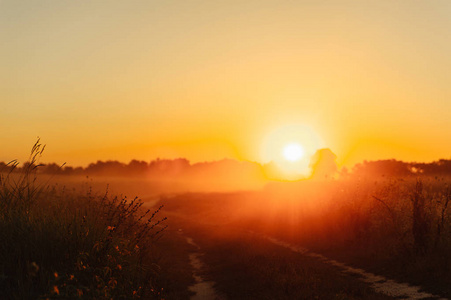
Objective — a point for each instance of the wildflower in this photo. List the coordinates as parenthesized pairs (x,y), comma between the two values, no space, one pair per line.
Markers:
(110,228)
(79,292)
(55,274)
(71,277)
(56,290)
(119,267)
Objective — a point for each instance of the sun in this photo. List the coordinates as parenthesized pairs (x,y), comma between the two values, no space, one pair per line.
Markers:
(293,152)
(288,149)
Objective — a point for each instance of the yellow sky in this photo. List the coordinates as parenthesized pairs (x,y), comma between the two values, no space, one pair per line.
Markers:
(212,79)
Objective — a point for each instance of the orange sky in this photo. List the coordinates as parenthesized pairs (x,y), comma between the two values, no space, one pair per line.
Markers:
(207,79)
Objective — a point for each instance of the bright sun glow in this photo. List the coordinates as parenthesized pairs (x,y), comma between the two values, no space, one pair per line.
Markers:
(293,152)
(288,149)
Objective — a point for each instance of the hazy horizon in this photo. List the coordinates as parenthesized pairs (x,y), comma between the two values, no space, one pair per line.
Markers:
(44,160)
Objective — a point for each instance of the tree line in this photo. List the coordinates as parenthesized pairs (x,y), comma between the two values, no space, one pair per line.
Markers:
(182,166)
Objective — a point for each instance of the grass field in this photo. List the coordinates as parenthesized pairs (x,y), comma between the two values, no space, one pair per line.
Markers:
(372,226)
(59,241)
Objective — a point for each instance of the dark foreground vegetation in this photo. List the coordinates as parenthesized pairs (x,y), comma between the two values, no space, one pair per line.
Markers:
(64,244)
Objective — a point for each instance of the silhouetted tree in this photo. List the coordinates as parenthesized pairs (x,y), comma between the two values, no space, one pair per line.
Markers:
(323,164)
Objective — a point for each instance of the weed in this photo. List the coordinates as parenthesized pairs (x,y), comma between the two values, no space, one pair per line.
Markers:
(60,244)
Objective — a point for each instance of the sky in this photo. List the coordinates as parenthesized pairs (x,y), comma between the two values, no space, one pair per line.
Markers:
(208,80)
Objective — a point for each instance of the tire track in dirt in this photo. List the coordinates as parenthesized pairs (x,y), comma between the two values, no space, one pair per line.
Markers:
(379,283)
(203,289)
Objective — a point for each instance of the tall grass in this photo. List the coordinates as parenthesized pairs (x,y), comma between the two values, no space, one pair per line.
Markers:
(57,243)
(398,225)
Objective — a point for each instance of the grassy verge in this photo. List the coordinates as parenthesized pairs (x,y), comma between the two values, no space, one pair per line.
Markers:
(63,244)
(427,271)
